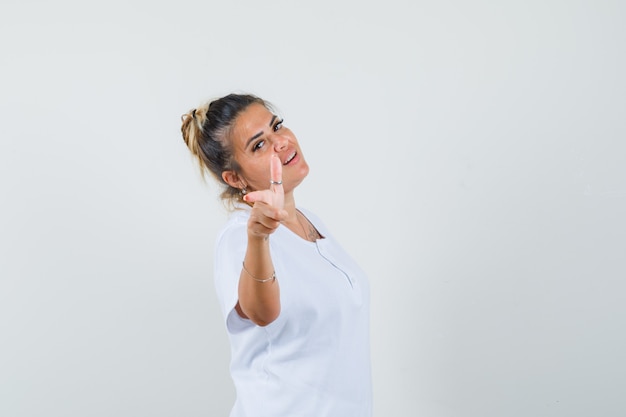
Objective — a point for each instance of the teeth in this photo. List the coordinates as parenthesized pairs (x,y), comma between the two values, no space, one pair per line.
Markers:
(290,158)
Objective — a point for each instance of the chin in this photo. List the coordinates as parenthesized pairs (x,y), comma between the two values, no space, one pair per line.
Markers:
(297,179)
(304,171)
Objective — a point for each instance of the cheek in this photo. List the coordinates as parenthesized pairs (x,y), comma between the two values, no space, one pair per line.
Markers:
(257,174)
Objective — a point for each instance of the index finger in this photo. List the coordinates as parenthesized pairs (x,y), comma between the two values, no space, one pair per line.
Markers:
(276,172)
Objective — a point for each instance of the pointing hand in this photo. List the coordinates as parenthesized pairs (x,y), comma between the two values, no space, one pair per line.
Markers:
(268,209)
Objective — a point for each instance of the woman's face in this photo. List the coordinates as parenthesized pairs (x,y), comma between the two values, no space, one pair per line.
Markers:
(257,135)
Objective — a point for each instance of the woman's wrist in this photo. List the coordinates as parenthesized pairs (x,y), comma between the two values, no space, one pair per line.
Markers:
(259,239)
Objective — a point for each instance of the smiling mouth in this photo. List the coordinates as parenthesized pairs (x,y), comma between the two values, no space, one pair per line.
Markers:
(290,158)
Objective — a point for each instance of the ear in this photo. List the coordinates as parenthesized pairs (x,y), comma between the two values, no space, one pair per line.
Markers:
(232,178)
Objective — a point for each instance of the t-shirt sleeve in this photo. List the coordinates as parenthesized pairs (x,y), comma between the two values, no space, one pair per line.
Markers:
(230,250)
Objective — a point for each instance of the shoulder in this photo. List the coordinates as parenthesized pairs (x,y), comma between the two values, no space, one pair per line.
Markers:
(235,226)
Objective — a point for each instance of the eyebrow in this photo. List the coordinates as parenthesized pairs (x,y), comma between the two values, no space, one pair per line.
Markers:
(260,133)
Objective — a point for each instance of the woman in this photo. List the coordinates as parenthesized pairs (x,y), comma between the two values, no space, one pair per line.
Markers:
(296,306)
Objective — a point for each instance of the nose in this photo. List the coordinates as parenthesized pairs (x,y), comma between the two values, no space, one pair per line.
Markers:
(280,142)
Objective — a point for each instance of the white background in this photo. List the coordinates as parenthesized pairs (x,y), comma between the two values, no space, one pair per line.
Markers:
(469,155)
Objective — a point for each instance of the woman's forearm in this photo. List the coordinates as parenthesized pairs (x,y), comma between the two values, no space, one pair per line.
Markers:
(259,294)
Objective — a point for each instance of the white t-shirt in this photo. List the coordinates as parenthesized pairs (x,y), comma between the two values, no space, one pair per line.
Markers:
(314,359)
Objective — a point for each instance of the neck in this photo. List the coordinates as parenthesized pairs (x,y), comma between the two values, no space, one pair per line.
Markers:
(300,226)
(290,207)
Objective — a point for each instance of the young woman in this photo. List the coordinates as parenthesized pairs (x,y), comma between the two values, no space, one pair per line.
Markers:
(296,306)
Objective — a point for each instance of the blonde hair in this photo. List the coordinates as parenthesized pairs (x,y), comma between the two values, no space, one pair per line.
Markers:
(206,131)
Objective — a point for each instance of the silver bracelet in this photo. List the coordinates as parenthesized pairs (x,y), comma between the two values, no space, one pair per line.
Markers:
(272,278)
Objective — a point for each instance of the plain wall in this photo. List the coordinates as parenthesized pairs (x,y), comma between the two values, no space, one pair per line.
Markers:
(469,155)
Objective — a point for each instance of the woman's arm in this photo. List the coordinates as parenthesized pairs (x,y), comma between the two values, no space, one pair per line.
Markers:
(259,295)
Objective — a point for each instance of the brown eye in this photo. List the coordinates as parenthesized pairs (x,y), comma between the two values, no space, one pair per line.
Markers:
(278,125)
(258,145)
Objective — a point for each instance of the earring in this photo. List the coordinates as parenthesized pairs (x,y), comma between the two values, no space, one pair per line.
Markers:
(244,191)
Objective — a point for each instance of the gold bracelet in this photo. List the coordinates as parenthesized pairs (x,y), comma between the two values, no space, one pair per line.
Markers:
(272,278)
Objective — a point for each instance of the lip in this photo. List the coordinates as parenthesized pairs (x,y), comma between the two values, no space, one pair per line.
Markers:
(291,158)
